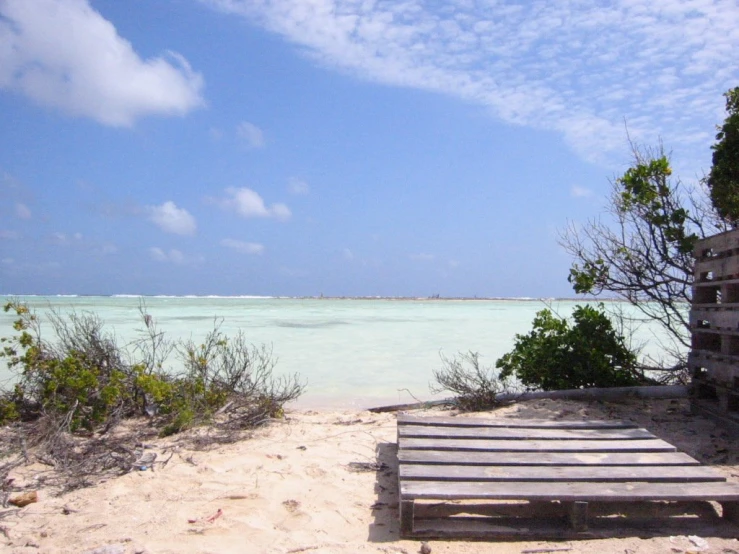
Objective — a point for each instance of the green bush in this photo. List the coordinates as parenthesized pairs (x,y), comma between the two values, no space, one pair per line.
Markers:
(558,355)
(85,378)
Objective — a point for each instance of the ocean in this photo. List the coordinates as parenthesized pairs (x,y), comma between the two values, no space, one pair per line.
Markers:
(351,353)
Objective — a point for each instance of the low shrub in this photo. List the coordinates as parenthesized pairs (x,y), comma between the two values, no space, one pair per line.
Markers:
(87,379)
(557,354)
(475,387)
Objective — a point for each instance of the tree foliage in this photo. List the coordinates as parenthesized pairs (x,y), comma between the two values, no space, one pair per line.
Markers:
(723,180)
(644,255)
(557,354)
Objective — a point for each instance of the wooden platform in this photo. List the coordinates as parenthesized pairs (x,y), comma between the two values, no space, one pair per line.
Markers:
(543,479)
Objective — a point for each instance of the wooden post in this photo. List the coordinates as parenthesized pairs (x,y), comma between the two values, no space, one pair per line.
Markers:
(579,516)
(731,511)
(406,518)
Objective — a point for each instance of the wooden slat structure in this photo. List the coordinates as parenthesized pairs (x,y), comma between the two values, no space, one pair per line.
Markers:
(714,326)
(534,475)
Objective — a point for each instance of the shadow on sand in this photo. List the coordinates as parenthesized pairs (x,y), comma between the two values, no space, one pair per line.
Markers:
(386,525)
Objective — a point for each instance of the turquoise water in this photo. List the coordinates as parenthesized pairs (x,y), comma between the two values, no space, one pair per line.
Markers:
(352,353)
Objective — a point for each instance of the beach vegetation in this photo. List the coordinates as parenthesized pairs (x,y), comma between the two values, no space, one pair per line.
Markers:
(723,179)
(79,381)
(475,387)
(560,354)
(644,253)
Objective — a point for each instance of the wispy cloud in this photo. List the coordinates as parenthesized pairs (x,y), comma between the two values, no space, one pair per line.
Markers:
(243,247)
(247,203)
(22,211)
(6,234)
(63,239)
(298,187)
(172,256)
(251,134)
(422,257)
(171,219)
(579,68)
(64,54)
(580,192)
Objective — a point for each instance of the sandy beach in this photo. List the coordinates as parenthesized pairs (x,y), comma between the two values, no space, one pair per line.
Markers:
(310,483)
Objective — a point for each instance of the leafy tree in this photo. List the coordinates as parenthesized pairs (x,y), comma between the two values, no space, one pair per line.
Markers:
(645,255)
(558,355)
(723,180)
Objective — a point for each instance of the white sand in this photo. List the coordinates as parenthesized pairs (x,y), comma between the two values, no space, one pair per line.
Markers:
(291,489)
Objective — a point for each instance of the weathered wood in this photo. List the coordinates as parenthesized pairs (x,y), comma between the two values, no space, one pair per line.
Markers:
(718,268)
(717,245)
(647,445)
(721,368)
(524,459)
(515,529)
(579,516)
(731,511)
(546,474)
(611,393)
(570,492)
(523,509)
(539,472)
(406,419)
(406,517)
(508,433)
(714,320)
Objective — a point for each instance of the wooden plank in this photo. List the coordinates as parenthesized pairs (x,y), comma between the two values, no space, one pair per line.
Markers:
(547,458)
(404,419)
(569,492)
(714,319)
(731,512)
(622,474)
(721,242)
(528,529)
(522,434)
(507,508)
(720,267)
(406,517)
(650,445)
(579,516)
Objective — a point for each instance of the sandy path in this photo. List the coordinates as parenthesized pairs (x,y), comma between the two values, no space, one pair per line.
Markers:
(291,488)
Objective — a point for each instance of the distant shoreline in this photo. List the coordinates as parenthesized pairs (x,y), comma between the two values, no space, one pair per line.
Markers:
(387,298)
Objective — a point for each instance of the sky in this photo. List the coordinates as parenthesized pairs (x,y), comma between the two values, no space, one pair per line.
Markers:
(336,147)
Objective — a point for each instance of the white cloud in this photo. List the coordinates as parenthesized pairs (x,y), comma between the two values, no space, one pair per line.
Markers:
(106,249)
(62,239)
(64,54)
(298,187)
(6,234)
(422,257)
(579,68)
(173,256)
(348,254)
(243,247)
(252,135)
(580,192)
(247,203)
(22,211)
(172,219)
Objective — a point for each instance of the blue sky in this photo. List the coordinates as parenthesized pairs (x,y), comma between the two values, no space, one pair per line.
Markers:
(336,147)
